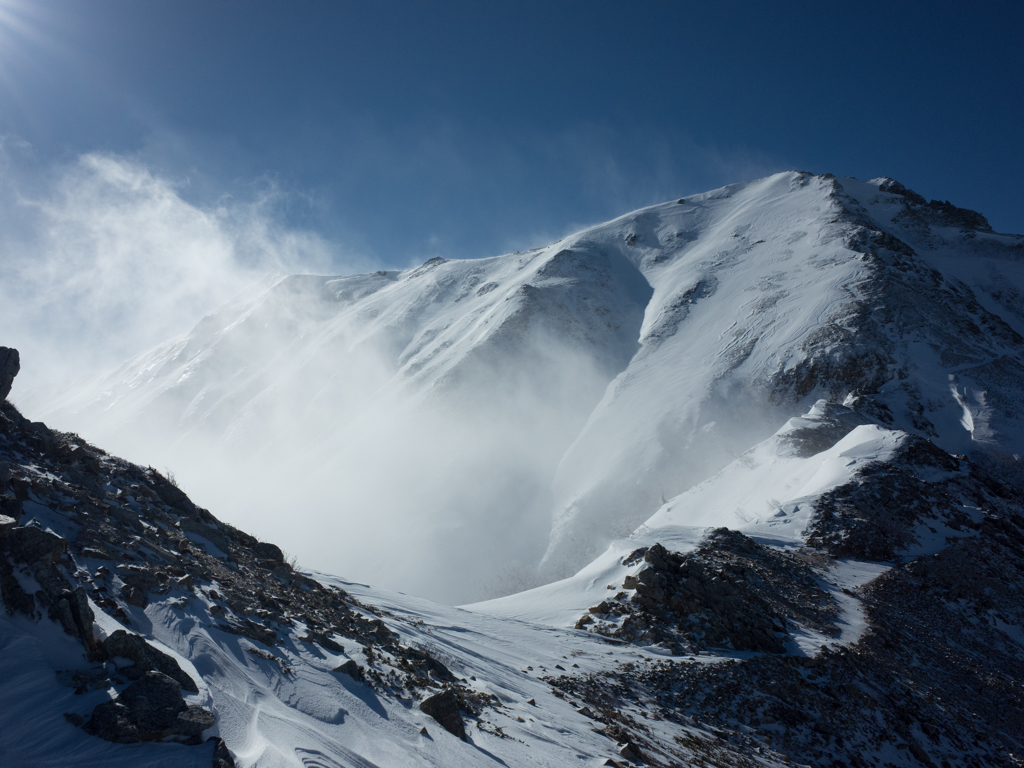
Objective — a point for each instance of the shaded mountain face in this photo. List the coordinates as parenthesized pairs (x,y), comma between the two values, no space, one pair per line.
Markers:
(515,414)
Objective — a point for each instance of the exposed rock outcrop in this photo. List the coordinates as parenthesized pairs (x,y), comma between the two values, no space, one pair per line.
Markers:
(730,592)
(894,507)
(37,552)
(10,365)
(145,658)
(444,707)
(149,709)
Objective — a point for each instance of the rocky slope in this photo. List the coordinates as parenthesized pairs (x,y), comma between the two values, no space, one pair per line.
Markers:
(85,534)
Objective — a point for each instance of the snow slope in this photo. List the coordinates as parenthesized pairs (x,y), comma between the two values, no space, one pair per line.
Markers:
(769,493)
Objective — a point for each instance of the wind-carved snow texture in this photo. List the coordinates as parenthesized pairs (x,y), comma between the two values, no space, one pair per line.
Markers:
(517,413)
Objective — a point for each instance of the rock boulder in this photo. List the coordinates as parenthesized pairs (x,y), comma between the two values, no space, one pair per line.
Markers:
(149,709)
(146,658)
(10,365)
(444,707)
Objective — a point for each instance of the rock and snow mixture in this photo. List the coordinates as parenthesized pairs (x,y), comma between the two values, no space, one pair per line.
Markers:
(936,673)
(730,592)
(837,583)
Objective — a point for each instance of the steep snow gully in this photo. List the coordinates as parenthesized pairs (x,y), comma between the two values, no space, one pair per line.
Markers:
(744,468)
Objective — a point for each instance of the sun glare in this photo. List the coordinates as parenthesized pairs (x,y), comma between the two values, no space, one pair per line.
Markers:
(21,37)
(16,21)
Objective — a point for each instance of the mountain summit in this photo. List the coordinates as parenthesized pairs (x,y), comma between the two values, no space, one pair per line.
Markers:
(517,413)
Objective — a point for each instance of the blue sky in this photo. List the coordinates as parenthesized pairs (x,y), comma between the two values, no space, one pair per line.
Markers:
(405,129)
(156,156)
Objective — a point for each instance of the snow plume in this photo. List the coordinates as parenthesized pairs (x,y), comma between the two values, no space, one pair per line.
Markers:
(367,424)
(401,428)
(102,258)
(352,465)
(446,495)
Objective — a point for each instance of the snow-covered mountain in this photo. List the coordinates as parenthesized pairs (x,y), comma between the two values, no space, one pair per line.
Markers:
(777,426)
(515,414)
(796,288)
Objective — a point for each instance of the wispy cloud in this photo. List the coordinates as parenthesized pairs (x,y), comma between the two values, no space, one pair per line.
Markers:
(101,258)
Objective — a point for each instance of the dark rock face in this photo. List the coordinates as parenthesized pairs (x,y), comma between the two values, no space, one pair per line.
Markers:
(150,708)
(960,217)
(730,592)
(146,658)
(350,668)
(74,614)
(631,751)
(39,551)
(155,701)
(10,365)
(35,546)
(444,707)
(113,722)
(269,552)
(896,188)
(425,664)
(881,513)
(15,598)
(221,756)
(942,211)
(135,596)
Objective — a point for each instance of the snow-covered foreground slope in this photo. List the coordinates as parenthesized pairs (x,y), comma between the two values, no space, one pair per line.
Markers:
(515,414)
(797,636)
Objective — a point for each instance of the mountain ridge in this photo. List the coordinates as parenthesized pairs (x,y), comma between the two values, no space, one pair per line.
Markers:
(615,368)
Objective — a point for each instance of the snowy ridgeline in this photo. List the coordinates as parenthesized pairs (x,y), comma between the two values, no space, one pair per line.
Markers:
(515,414)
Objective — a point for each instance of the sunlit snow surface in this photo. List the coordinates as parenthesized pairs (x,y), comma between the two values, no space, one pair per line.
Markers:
(771,497)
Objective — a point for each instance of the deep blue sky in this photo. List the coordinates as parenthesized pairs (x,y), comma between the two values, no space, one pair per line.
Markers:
(403,130)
